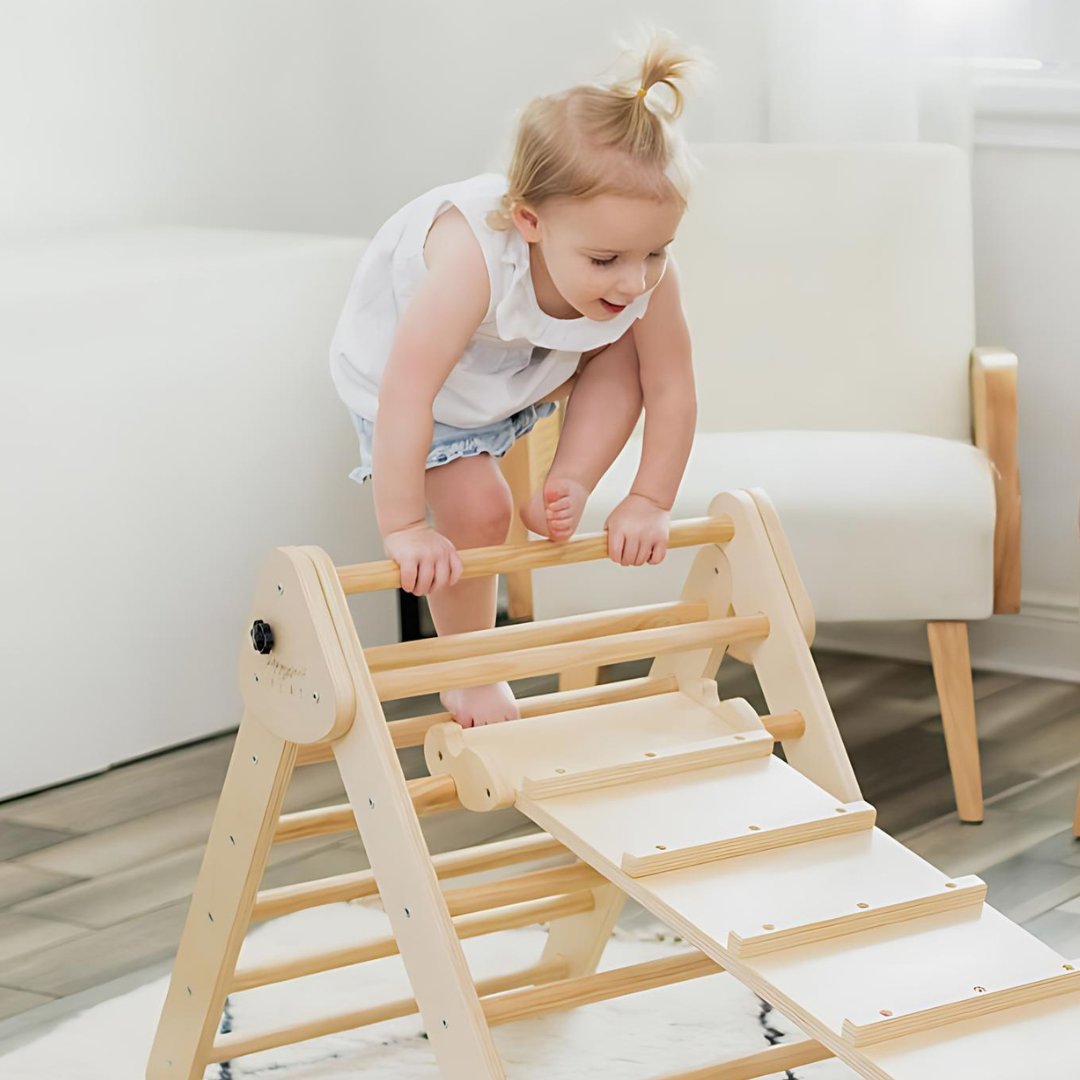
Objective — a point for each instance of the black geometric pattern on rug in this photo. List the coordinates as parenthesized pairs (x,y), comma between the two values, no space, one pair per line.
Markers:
(772,1036)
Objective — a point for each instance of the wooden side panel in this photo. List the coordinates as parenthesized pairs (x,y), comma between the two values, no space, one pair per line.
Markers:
(220,911)
(421,923)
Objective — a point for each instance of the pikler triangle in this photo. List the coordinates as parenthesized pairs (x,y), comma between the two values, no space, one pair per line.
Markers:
(773,869)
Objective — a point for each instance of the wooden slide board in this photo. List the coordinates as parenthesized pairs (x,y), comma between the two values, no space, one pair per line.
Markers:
(957,958)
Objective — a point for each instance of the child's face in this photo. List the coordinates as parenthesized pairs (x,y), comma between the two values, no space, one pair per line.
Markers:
(602,251)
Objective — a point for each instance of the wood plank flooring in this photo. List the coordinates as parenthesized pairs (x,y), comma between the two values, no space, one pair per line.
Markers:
(95,875)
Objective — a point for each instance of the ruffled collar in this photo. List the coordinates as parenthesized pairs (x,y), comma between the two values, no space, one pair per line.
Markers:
(518,314)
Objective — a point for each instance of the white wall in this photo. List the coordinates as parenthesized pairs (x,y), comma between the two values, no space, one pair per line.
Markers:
(324,118)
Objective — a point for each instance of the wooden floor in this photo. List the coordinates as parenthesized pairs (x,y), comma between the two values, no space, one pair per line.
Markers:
(95,876)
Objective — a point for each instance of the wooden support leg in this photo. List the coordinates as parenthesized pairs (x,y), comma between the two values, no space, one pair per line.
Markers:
(579,940)
(220,911)
(516,468)
(952,673)
(576,678)
(1076,820)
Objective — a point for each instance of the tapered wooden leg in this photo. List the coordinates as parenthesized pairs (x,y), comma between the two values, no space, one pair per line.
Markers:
(575,678)
(952,673)
(516,469)
(1076,820)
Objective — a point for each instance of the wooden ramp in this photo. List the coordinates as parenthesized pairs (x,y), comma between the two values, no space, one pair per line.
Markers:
(653,788)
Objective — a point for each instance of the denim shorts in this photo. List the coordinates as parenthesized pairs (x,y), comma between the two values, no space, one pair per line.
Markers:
(448,442)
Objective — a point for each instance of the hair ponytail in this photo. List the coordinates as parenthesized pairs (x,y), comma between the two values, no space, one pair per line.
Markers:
(606,138)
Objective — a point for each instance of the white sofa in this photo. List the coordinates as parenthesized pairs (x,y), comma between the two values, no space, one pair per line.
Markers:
(830,298)
(168,419)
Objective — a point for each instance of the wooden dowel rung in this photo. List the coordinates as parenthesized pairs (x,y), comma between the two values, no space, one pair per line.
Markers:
(587,989)
(771,1062)
(783,726)
(411,731)
(532,634)
(466,926)
(235,1045)
(532,886)
(506,558)
(272,903)
(544,659)
(429,794)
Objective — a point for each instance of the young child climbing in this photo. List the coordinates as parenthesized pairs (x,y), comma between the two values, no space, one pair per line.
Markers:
(481,304)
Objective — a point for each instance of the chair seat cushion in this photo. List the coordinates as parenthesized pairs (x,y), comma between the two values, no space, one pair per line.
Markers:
(882,525)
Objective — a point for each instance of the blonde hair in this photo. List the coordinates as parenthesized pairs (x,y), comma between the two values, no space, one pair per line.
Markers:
(599,139)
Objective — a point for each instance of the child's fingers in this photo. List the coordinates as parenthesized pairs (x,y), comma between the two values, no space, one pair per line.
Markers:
(408,575)
(658,552)
(424,576)
(615,546)
(441,574)
(456,567)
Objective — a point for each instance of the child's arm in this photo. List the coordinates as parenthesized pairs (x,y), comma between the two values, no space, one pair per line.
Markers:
(449,304)
(662,339)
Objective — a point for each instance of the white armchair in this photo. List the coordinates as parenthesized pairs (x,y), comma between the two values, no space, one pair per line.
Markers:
(830,297)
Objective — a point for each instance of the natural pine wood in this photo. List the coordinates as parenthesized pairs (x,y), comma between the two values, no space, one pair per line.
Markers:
(956,692)
(506,558)
(995,428)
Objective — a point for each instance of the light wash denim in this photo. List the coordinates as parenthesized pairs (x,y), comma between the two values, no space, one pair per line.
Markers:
(448,442)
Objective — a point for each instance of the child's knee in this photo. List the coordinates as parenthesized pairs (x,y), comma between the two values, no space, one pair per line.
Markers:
(481,516)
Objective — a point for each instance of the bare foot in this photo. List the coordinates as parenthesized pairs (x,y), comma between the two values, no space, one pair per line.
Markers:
(475,706)
(556,510)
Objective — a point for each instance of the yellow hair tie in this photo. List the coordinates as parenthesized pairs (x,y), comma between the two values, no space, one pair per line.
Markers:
(642,91)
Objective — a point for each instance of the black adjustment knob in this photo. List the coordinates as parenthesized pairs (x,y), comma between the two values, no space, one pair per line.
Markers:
(262,637)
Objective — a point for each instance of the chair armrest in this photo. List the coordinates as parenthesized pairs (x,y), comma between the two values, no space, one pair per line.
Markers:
(994,423)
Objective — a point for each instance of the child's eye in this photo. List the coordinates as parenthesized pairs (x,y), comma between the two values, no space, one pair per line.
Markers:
(608,262)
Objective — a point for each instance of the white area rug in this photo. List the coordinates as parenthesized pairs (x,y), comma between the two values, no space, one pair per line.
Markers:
(646,1035)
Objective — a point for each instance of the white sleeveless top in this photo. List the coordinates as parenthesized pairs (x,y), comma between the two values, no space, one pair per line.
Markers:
(516,356)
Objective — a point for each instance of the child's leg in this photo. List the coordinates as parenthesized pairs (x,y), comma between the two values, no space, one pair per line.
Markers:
(604,405)
(472,505)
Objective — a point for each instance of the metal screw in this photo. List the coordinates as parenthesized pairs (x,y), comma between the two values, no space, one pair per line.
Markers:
(315,696)
(767,926)
(371,803)
(950,884)
(886,1012)
(280,589)
(649,753)
(407,915)
(254,759)
(841,810)
(755,828)
(862,905)
(256,678)
(979,989)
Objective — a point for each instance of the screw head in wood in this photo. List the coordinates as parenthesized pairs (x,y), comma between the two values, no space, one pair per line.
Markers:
(979,989)
(862,905)
(280,589)
(886,1012)
(1068,967)
(767,926)
(661,847)
(841,809)
(755,828)
(649,753)
(950,884)
(315,696)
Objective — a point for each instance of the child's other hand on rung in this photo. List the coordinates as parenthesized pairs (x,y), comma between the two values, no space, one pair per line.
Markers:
(427,559)
(637,531)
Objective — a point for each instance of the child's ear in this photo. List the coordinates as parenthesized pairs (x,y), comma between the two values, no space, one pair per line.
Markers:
(527,223)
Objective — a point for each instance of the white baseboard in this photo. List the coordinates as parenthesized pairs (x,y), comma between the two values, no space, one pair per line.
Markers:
(1043,640)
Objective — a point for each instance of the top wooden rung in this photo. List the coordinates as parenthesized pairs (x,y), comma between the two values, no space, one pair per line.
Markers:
(505,558)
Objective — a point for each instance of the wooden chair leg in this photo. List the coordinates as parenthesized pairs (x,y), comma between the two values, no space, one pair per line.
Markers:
(952,674)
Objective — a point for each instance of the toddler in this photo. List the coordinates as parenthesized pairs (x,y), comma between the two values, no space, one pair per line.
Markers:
(481,304)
